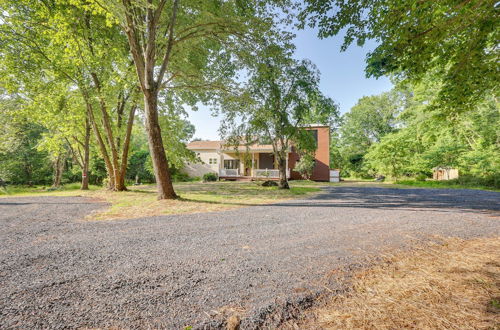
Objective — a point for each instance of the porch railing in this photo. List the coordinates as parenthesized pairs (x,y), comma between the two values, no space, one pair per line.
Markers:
(266,173)
(229,172)
(256,173)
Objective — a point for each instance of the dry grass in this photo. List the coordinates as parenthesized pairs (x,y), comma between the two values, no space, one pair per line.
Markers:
(450,286)
(194,198)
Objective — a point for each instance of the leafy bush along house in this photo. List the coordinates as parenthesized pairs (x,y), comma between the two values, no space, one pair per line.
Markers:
(257,161)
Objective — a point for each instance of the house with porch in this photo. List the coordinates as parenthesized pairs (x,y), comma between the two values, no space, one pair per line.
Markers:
(254,162)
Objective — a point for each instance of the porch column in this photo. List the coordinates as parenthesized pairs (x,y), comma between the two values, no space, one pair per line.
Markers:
(221,161)
(286,165)
(253,163)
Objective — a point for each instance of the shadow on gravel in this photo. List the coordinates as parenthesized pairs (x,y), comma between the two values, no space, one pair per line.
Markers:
(397,199)
(442,200)
(43,203)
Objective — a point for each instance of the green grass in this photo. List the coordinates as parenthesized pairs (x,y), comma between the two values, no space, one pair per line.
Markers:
(22,190)
(451,184)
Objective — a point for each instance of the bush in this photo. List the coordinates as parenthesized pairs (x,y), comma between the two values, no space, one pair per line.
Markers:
(179,176)
(210,177)
(421,177)
(492,181)
(269,183)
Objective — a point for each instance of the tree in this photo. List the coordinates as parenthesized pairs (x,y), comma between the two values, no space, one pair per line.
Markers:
(178,45)
(392,156)
(280,97)
(456,39)
(305,166)
(20,160)
(57,43)
(430,137)
(366,124)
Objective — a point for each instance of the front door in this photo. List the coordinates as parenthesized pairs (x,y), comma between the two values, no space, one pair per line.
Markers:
(266,161)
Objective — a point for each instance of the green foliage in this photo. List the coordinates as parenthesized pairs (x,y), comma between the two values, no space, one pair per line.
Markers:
(418,136)
(392,156)
(430,137)
(20,160)
(137,168)
(365,124)
(458,40)
(421,177)
(210,177)
(464,181)
(305,166)
(178,132)
(97,170)
(23,163)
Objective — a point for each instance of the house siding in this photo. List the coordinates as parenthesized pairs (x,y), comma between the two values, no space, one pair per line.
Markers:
(199,169)
(321,170)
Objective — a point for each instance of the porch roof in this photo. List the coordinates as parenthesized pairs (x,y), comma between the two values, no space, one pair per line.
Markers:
(249,148)
(219,146)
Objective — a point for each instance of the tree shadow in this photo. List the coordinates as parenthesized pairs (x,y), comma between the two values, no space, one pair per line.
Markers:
(444,200)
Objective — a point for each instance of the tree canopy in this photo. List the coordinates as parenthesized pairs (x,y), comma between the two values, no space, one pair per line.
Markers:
(457,39)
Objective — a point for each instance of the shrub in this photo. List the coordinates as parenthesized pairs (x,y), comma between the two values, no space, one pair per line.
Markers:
(269,183)
(421,177)
(208,177)
(179,176)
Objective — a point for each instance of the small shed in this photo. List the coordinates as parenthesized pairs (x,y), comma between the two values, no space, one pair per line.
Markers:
(444,173)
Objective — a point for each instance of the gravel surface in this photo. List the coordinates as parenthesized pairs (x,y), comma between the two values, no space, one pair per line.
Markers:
(58,271)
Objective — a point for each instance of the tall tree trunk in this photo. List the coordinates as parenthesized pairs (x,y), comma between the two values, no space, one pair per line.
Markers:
(283,181)
(126,147)
(58,170)
(100,142)
(108,132)
(158,156)
(86,157)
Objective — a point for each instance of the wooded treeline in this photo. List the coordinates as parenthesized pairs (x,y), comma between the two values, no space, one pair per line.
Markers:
(399,134)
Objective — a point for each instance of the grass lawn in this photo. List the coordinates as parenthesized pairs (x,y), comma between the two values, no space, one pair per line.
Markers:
(452,184)
(444,185)
(141,201)
(449,286)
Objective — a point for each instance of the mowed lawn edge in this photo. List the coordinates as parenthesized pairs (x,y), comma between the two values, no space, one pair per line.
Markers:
(194,197)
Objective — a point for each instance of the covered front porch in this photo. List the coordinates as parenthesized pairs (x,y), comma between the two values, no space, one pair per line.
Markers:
(248,166)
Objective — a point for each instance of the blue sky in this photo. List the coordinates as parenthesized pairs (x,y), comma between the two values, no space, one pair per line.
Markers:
(342,77)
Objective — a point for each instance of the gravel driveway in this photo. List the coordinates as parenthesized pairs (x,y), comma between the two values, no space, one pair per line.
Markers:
(173,271)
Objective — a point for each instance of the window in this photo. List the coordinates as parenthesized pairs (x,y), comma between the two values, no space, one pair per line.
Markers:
(231,163)
(315,136)
(212,161)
